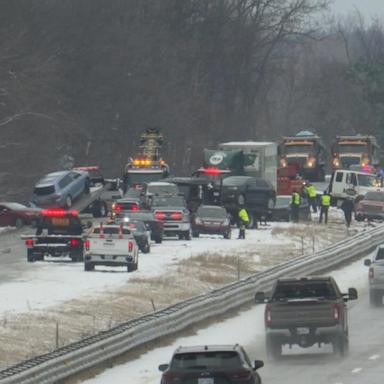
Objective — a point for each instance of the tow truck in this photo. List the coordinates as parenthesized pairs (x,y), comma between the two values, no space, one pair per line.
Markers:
(58,233)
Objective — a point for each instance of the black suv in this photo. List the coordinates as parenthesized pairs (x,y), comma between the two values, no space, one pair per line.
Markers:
(211,364)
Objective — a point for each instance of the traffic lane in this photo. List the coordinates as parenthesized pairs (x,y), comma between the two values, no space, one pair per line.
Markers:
(297,366)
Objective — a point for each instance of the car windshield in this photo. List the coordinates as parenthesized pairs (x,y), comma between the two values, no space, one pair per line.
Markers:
(282,201)
(218,213)
(235,180)
(163,189)
(368,180)
(204,360)
(16,206)
(42,191)
(298,148)
(304,290)
(375,196)
(168,201)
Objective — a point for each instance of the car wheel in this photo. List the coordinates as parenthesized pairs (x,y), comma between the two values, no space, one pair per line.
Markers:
(195,234)
(187,235)
(375,298)
(228,235)
(147,248)
(158,240)
(241,199)
(340,345)
(89,267)
(30,256)
(68,201)
(19,222)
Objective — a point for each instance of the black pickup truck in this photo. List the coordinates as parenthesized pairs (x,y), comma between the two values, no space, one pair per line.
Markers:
(305,312)
(58,233)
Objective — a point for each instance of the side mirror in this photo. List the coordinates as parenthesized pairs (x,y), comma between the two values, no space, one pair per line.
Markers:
(367,262)
(260,297)
(163,367)
(352,294)
(258,364)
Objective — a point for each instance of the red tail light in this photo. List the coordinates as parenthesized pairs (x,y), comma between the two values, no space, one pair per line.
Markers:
(336,312)
(87,244)
(176,216)
(267,316)
(29,242)
(117,208)
(74,242)
(58,212)
(130,246)
(134,207)
(371,273)
(242,374)
(160,215)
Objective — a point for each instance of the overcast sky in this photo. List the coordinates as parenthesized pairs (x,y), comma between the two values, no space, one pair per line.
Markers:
(366,7)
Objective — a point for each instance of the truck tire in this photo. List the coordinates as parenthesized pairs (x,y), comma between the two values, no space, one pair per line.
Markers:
(375,298)
(89,267)
(30,256)
(195,234)
(187,235)
(273,348)
(147,248)
(340,345)
(158,240)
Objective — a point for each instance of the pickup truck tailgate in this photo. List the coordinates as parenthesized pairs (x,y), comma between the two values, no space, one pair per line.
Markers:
(108,246)
(299,313)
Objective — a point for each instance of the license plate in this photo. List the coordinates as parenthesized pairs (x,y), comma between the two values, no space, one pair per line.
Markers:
(108,257)
(109,244)
(302,331)
(60,221)
(206,380)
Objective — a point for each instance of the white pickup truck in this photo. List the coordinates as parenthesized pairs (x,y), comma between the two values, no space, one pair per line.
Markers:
(111,245)
(376,276)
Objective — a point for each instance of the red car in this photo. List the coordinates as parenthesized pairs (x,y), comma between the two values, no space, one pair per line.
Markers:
(17,215)
(371,207)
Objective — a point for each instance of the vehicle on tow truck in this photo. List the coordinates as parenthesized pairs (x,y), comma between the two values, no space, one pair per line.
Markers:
(306,311)
(111,245)
(58,233)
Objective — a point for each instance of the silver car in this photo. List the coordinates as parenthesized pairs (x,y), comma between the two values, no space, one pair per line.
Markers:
(59,189)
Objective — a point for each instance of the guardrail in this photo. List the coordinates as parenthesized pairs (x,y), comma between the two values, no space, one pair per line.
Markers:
(87,353)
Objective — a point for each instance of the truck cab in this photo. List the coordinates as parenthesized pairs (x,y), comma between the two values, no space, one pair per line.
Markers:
(346,183)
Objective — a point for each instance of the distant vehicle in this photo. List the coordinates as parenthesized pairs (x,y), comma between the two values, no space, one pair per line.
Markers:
(376,276)
(173,213)
(256,194)
(60,189)
(306,311)
(58,233)
(148,217)
(371,207)
(157,188)
(111,245)
(360,150)
(211,364)
(346,183)
(306,151)
(140,232)
(95,176)
(17,215)
(282,209)
(211,219)
(121,206)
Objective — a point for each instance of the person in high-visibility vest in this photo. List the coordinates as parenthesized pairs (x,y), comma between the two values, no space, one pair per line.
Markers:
(312,196)
(295,206)
(243,222)
(325,204)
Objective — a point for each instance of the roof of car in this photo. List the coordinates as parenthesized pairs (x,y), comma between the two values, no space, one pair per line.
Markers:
(51,177)
(204,348)
(218,207)
(303,279)
(159,183)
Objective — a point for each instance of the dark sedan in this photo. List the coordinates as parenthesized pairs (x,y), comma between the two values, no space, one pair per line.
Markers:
(141,234)
(211,219)
(282,209)
(17,215)
(155,226)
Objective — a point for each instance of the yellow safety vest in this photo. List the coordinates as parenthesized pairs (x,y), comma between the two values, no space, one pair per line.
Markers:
(244,215)
(296,198)
(325,200)
(311,191)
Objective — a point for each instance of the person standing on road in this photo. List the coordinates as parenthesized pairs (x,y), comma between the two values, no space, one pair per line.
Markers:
(348,206)
(243,222)
(325,204)
(312,196)
(295,205)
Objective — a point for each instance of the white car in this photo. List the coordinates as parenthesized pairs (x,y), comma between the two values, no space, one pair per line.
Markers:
(111,245)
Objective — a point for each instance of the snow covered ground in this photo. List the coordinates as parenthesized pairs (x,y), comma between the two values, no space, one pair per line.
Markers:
(244,327)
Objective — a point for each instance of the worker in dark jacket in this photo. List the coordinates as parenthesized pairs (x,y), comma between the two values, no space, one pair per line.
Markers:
(243,222)
(348,206)
(295,205)
(325,203)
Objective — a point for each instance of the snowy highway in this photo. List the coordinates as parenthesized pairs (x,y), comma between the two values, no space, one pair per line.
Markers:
(364,364)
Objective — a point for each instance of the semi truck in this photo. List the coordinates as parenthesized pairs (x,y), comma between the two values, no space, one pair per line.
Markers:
(305,151)
(358,150)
